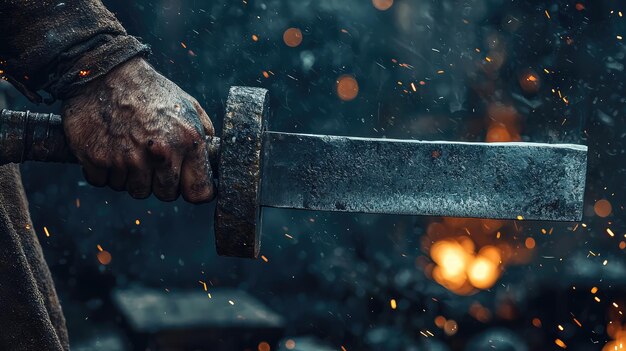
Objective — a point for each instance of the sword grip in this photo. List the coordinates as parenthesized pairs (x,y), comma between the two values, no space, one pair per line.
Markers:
(28,136)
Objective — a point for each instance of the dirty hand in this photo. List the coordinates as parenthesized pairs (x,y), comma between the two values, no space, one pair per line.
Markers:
(135,130)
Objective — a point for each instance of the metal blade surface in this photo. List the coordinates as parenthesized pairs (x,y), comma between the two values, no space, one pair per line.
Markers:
(436,178)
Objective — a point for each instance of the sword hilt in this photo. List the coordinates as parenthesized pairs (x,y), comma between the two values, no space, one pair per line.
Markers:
(29,136)
(235,160)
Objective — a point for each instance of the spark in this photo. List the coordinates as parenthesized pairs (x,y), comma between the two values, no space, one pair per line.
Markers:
(393,304)
(578,323)
(610,232)
(560,343)
(548,15)
(45,230)
(264,258)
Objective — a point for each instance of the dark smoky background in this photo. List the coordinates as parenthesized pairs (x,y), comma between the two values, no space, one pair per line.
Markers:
(475,70)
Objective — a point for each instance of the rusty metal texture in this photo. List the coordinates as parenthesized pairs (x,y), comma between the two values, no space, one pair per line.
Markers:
(28,136)
(237,216)
(487,180)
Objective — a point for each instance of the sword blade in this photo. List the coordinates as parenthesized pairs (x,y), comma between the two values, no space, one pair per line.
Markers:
(436,178)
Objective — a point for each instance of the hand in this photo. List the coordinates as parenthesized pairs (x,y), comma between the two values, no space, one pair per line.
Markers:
(135,130)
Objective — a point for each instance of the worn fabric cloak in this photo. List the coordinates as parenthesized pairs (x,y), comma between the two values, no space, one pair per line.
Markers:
(48,50)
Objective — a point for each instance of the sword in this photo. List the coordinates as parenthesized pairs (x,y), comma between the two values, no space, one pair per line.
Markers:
(257,168)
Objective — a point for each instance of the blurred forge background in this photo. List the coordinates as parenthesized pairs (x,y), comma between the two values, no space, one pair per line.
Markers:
(550,71)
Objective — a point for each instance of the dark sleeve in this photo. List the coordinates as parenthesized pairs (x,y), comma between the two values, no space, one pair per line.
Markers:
(58,46)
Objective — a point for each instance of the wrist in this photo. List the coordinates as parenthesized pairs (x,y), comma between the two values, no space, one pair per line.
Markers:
(89,61)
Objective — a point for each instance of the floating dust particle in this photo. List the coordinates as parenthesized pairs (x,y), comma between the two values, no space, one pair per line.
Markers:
(264,346)
(290,344)
(530,243)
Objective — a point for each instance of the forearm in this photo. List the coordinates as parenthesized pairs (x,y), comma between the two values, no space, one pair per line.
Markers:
(60,46)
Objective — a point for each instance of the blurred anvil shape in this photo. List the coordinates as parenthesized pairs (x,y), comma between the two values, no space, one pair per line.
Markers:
(259,168)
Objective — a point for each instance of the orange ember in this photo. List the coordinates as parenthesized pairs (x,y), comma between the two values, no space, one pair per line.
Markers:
(529,82)
(104,257)
(602,208)
(347,87)
(292,37)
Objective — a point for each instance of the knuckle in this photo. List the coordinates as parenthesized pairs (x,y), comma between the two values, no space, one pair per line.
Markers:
(199,192)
